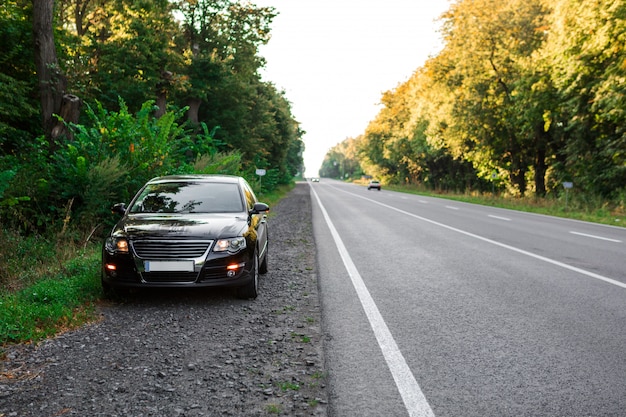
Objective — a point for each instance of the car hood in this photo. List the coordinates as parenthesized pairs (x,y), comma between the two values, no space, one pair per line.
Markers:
(194,226)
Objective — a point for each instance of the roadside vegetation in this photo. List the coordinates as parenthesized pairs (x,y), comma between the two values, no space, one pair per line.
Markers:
(525,102)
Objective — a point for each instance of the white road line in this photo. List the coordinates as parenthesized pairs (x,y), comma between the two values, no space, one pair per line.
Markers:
(410,391)
(596,237)
(502,245)
(499,218)
(452,208)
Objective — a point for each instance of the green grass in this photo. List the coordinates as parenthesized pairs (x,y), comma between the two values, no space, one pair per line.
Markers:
(578,207)
(275,196)
(273,408)
(288,386)
(301,338)
(52,304)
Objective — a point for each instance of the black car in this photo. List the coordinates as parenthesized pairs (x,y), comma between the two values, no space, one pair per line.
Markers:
(188,231)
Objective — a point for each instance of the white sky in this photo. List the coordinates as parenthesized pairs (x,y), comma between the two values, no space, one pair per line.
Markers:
(335,58)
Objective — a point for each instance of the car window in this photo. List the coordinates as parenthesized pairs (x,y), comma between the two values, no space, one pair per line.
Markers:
(189,197)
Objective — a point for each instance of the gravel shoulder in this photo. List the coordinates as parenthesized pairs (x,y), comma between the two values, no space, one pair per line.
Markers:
(181,353)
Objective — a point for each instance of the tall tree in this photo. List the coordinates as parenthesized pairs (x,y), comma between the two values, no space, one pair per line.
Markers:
(587,49)
(52,81)
(221,45)
(488,44)
(19,103)
(132,53)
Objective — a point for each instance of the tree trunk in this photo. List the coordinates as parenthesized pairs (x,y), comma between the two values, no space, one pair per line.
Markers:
(161,103)
(194,108)
(52,82)
(162,89)
(69,113)
(540,162)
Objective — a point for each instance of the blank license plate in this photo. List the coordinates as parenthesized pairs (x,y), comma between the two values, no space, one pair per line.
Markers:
(164,266)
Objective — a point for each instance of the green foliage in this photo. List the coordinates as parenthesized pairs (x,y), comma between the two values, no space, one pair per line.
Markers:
(218,163)
(587,49)
(18,94)
(106,162)
(139,65)
(109,160)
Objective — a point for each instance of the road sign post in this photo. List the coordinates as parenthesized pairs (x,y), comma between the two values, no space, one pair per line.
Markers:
(260,172)
(567,186)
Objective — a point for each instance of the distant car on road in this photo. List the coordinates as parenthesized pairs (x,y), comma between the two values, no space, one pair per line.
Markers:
(315,179)
(188,231)
(374,184)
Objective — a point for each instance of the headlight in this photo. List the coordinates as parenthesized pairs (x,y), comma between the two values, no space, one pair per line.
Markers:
(116,245)
(232,245)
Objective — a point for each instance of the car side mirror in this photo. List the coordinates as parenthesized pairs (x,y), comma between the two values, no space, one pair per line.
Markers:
(119,208)
(260,208)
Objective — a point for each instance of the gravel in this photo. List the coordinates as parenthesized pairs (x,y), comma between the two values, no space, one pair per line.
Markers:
(183,353)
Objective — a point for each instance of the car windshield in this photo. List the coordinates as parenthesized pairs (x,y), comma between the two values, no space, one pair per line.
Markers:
(189,197)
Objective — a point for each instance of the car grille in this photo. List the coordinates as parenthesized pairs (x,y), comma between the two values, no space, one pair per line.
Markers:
(171,249)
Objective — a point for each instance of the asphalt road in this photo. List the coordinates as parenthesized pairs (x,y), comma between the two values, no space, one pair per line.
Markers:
(433,307)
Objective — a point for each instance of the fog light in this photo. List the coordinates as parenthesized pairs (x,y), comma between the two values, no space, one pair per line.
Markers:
(232,269)
(110,267)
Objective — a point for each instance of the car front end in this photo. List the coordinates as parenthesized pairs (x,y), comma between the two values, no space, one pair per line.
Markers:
(135,257)
(188,232)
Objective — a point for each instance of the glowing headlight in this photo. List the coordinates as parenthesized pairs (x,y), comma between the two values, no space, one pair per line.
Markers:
(116,245)
(232,245)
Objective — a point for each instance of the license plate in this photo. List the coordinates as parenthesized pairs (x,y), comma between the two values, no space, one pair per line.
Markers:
(165,266)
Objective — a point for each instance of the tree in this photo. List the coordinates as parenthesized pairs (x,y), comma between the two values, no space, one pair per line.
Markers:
(18,88)
(488,45)
(587,48)
(52,81)
(221,41)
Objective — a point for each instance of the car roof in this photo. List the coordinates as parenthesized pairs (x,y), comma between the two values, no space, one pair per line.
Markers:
(197,178)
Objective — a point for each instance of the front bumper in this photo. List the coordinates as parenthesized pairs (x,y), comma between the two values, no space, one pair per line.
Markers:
(209,270)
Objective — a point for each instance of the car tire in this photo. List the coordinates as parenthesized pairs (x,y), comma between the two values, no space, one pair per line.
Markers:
(251,290)
(263,266)
(108,291)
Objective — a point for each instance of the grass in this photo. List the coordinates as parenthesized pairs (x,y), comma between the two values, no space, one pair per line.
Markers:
(273,408)
(301,338)
(288,386)
(275,196)
(52,304)
(576,207)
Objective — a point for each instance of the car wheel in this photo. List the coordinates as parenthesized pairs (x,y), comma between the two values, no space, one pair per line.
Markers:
(251,290)
(107,290)
(263,266)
